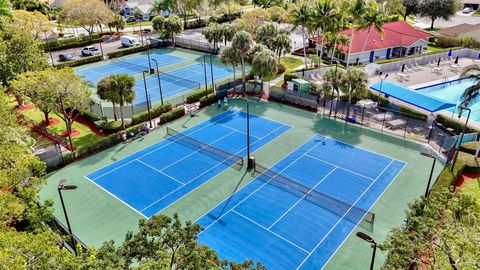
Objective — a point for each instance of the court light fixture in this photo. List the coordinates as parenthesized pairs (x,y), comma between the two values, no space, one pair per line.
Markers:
(427,191)
(62,186)
(462,108)
(370,240)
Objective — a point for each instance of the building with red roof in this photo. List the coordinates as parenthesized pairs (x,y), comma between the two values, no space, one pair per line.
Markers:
(399,39)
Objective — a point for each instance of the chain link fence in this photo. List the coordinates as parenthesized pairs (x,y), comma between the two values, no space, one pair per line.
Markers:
(197,45)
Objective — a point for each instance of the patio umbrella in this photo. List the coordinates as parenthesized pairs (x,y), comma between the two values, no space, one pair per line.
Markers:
(478,57)
(450,53)
(403,67)
(456,60)
(438,63)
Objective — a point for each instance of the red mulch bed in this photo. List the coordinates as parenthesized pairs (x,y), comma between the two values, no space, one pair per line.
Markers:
(26,107)
(51,122)
(74,133)
(465,177)
(90,125)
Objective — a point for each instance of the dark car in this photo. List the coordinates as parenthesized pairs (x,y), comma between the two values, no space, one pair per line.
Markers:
(130,19)
(65,57)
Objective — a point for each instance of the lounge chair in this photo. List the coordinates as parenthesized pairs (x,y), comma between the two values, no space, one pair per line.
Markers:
(395,124)
(383,116)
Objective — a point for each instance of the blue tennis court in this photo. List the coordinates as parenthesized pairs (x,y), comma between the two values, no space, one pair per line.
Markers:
(272,221)
(130,66)
(184,79)
(157,176)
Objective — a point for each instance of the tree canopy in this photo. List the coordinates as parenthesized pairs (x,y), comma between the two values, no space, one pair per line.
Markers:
(437,9)
(85,13)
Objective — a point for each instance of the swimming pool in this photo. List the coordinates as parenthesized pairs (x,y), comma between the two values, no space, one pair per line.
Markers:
(452,92)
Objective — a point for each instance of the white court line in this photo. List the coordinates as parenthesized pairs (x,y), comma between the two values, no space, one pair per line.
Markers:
(266,183)
(326,162)
(268,230)
(368,210)
(342,218)
(194,152)
(218,164)
(155,169)
(303,197)
(225,126)
(108,192)
(158,148)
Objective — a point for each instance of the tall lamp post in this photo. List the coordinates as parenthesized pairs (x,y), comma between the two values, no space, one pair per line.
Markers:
(158,78)
(61,186)
(333,88)
(462,108)
(370,240)
(427,191)
(381,84)
(250,160)
(146,96)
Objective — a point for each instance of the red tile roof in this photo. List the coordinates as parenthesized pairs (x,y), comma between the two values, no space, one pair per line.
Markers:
(395,34)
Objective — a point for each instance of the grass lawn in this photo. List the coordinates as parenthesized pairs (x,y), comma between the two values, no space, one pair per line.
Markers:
(472,187)
(144,23)
(290,64)
(435,49)
(476,13)
(86,136)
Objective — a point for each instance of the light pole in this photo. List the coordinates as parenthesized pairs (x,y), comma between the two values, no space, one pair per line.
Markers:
(211,72)
(61,186)
(381,84)
(333,88)
(250,160)
(205,74)
(431,172)
(158,78)
(146,96)
(48,45)
(462,108)
(370,240)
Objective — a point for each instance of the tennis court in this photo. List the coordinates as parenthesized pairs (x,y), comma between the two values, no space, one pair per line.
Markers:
(296,214)
(180,80)
(130,66)
(157,176)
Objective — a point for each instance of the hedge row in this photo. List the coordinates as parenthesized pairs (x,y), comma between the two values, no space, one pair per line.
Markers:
(202,23)
(130,50)
(155,112)
(91,116)
(62,44)
(112,127)
(197,95)
(290,76)
(115,138)
(450,123)
(80,61)
(207,100)
(404,111)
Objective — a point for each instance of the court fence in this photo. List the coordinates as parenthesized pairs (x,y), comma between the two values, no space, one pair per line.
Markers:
(197,45)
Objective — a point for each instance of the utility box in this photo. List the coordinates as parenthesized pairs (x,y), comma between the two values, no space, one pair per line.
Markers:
(301,85)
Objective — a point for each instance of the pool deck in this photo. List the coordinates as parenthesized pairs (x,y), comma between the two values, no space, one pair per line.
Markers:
(426,77)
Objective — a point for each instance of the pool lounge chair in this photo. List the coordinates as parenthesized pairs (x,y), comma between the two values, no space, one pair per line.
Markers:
(383,116)
(395,124)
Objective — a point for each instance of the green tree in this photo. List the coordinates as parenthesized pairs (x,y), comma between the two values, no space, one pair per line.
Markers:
(252,20)
(277,14)
(264,63)
(173,26)
(229,8)
(268,3)
(118,21)
(393,7)
(471,93)
(437,9)
(118,89)
(242,43)
(411,8)
(32,22)
(86,14)
(333,78)
(325,15)
(356,12)
(158,23)
(301,17)
(277,40)
(228,31)
(5,8)
(71,94)
(356,82)
(164,5)
(213,33)
(372,18)
(229,56)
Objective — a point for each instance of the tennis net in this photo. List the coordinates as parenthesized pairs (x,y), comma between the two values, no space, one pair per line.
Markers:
(131,66)
(334,205)
(216,153)
(178,80)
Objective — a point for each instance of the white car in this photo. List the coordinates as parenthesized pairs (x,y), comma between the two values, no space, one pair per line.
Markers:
(89,51)
(467,10)
(128,41)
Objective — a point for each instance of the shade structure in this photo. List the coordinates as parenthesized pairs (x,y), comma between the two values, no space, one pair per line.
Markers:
(411,96)
(450,53)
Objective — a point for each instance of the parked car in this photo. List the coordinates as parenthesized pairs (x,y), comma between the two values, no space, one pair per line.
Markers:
(128,41)
(467,10)
(89,51)
(65,57)
(130,19)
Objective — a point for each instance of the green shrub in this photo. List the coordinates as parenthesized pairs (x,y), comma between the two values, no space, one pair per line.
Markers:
(205,101)
(112,127)
(172,115)
(80,61)
(130,50)
(404,111)
(91,116)
(197,95)
(281,68)
(62,44)
(447,42)
(457,127)
(155,112)
(100,124)
(289,76)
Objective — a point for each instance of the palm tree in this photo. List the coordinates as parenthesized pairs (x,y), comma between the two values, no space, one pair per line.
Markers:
(355,80)
(106,91)
(5,8)
(164,5)
(301,17)
(325,14)
(264,63)
(119,89)
(228,31)
(332,81)
(213,33)
(282,43)
(356,11)
(230,57)
(373,17)
(471,93)
(242,43)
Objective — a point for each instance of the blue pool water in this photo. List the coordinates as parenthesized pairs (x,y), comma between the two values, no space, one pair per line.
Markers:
(452,92)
